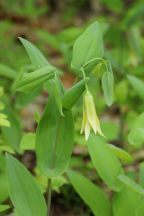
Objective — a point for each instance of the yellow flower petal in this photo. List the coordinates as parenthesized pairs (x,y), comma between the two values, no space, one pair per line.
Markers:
(90,110)
(87,129)
(100,132)
(84,120)
(98,127)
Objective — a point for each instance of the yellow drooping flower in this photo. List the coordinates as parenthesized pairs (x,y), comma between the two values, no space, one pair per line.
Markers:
(90,119)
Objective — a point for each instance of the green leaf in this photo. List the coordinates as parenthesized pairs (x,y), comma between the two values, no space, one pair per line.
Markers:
(23,190)
(131,184)
(91,194)
(49,38)
(28,141)
(121,91)
(3,120)
(68,35)
(125,202)
(141,174)
(110,130)
(57,96)
(134,14)
(37,117)
(1,91)
(1,106)
(135,42)
(58,182)
(6,148)
(12,135)
(34,79)
(3,187)
(140,208)
(88,46)
(59,84)
(105,162)
(7,72)
(71,96)
(121,154)
(25,98)
(136,135)
(115,64)
(114,5)
(36,57)
(54,140)
(137,84)
(2,162)
(4,208)
(108,87)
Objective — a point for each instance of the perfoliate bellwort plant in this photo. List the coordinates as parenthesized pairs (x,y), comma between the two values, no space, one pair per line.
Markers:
(55,133)
(54,137)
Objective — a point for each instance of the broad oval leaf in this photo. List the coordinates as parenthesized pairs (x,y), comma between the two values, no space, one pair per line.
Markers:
(23,190)
(36,57)
(91,194)
(131,184)
(108,87)
(105,162)
(54,140)
(88,46)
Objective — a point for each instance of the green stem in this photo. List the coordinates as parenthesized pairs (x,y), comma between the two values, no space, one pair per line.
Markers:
(101,59)
(84,76)
(49,197)
(82,68)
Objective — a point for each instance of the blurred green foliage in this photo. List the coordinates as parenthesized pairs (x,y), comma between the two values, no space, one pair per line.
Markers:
(53,26)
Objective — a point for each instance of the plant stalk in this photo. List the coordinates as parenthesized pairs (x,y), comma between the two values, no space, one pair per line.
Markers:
(49,197)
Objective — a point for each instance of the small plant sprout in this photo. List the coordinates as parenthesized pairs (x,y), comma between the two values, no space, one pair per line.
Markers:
(90,119)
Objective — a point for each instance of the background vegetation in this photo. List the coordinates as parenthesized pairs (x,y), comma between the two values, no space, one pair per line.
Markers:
(53,27)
